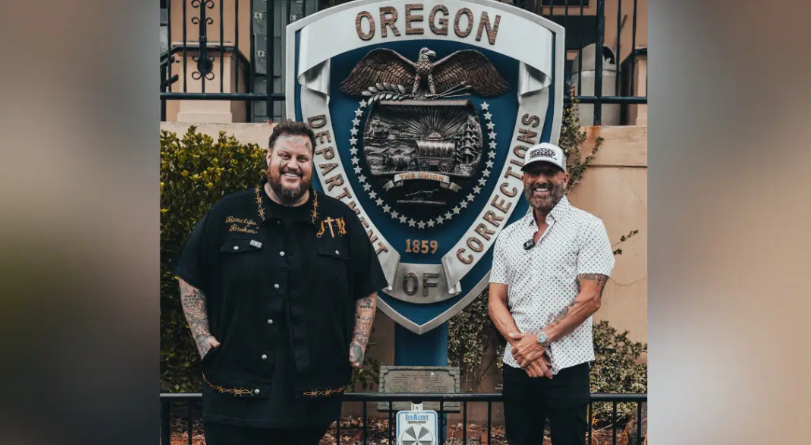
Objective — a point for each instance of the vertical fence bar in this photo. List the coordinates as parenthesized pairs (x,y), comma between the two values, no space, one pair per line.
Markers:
(222,46)
(614,422)
(591,418)
(464,423)
(202,48)
(633,52)
(580,56)
(565,19)
(185,75)
(271,58)
(169,42)
(236,46)
(253,53)
(489,422)
(188,419)
(638,422)
(338,429)
(166,427)
(443,424)
(364,423)
(391,409)
(617,55)
(598,63)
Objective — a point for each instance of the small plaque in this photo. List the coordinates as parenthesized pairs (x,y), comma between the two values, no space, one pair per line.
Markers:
(420,379)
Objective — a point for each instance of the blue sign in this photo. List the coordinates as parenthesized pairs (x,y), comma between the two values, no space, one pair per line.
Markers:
(423,113)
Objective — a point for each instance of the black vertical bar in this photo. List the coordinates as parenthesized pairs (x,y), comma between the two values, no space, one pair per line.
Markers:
(580,57)
(236,46)
(464,423)
(489,422)
(338,429)
(598,63)
(169,40)
(202,49)
(617,55)
(364,422)
(185,76)
(391,409)
(252,64)
(638,422)
(188,419)
(614,422)
(591,417)
(442,421)
(166,428)
(565,19)
(633,52)
(289,11)
(271,59)
(222,47)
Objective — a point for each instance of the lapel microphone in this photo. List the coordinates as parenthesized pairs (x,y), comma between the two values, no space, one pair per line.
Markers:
(529,244)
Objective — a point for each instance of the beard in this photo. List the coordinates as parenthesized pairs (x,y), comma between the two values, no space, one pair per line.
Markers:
(287,194)
(546,203)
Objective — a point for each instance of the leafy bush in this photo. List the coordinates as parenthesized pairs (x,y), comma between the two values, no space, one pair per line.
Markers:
(616,370)
(196,171)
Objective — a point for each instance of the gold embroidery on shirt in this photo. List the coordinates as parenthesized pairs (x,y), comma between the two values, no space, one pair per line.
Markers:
(315,206)
(234,391)
(323,393)
(341,225)
(259,204)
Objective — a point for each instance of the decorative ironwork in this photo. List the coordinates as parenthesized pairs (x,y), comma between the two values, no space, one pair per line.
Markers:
(205,63)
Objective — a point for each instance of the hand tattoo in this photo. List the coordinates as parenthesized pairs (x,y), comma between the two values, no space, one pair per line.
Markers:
(356,353)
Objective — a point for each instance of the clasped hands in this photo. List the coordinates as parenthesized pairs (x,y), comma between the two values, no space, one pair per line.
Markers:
(530,355)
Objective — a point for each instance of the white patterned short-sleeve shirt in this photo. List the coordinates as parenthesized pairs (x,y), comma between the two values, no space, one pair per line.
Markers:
(542,281)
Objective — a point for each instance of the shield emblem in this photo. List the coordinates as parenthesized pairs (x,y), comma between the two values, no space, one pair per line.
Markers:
(422,115)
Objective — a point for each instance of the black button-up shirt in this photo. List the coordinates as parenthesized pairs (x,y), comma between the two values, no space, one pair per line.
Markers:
(275,274)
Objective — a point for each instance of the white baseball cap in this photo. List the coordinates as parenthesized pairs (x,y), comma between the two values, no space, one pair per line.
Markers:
(545,152)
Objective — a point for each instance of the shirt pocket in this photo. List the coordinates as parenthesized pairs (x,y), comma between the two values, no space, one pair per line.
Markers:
(240,258)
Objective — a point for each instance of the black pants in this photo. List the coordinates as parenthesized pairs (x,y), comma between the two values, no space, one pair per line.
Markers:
(222,434)
(529,401)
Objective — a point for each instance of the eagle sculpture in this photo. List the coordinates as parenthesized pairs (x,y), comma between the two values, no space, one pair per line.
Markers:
(466,68)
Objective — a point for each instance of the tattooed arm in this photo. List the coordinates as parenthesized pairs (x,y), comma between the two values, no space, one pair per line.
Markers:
(194,306)
(586,303)
(364,317)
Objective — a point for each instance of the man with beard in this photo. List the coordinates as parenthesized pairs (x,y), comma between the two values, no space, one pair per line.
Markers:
(278,284)
(549,270)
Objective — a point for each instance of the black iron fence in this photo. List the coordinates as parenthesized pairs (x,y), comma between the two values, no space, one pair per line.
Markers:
(584,21)
(170,402)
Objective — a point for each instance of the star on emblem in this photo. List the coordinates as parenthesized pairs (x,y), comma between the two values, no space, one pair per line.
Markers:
(353,151)
(463,204)
(476,189)
(394,214)
(361,178)
(471,197)
(448,215)
(353,140)
(485,106)
(492,135)
(357,169)
(492,155)
(411,222)
(354,131)
(402,220)
(373,195)
(355,160)
(487,115)
(387,208)
(363,103)
(491,125)
(421,225)
(486,173)
(493,145)
(440,220)
(489,164)
(356,122)
(431,223)
(379,202)
(358,112)
(367,187)
(482,181)
(456,210)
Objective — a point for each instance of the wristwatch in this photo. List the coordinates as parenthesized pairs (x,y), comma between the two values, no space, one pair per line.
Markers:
(542,339)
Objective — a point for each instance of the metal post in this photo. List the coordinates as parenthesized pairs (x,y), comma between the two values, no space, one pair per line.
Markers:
(364,423)
(169,40)
(464,423)
(633,52)
(580,56)
(236,46)
(271,57)
(614,422)
(222,47)
(166,427)
(598,64)
(185,74)
(489,422)
(188,418)
(617,61)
